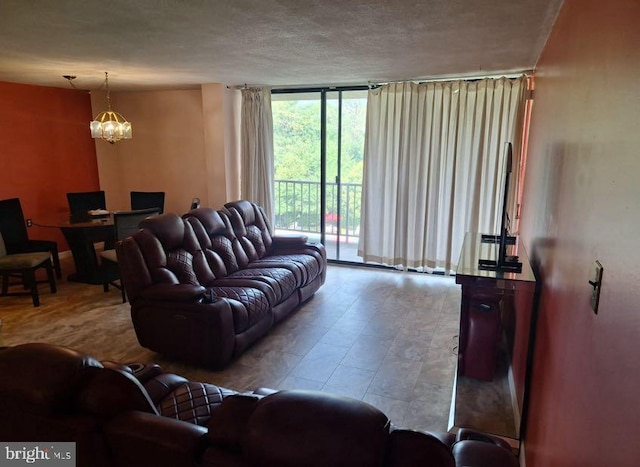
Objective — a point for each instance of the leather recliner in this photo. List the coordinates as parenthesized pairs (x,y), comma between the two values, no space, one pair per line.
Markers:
(202,294)
(50,393)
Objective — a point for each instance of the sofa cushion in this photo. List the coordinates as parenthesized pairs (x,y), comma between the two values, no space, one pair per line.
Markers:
(306,264)
(254,305)
(193,402)
(283,279)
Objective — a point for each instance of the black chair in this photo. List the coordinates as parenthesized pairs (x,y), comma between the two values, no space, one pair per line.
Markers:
(147,199)
(195,203)
(82,202)
(25,265)
(16,239)
(126,223)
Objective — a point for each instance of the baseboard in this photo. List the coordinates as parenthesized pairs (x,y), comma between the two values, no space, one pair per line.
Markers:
(522,459)
(65,254)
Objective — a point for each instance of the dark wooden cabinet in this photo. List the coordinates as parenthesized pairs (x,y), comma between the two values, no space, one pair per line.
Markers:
(496,314)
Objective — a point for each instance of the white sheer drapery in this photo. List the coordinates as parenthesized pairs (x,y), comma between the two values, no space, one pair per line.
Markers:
(433,167)
(257,168)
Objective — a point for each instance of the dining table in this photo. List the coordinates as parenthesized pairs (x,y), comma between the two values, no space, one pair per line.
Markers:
(82,233)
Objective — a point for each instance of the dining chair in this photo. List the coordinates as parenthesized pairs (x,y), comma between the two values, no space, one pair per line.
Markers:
(26,265)
(147,199)
(16,238)
(126,223)
(82,202)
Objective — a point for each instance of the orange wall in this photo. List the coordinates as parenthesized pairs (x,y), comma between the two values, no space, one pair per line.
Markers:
(46,150)
(183,143)
(581,204)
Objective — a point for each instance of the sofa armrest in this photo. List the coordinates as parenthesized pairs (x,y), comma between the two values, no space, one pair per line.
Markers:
(138,438)
(316,250)
(476,449)
(288,241)
(173,292)
(470,453)
(194,331)
(469,434)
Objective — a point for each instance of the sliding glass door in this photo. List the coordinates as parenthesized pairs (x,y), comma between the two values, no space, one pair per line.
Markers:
(297,146)
(318,146)
(346,118)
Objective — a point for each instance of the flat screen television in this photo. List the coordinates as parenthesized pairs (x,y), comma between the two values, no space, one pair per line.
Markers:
(504,262)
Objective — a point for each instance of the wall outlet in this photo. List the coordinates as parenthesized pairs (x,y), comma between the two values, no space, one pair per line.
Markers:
(29,223)
(596,283)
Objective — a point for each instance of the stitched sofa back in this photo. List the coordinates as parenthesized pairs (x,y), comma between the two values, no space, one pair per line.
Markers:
(252,228)
(217,239)
(164,251)
(170,258)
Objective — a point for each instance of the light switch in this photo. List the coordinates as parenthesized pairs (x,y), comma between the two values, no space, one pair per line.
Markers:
(596,283)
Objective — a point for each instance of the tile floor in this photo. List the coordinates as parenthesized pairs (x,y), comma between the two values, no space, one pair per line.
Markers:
(384,336)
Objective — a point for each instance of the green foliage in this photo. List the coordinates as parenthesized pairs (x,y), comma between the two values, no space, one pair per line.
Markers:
(296,128)
(296,125)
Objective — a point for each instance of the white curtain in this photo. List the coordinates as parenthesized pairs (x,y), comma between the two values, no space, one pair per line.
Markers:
(257,167)
(434,166)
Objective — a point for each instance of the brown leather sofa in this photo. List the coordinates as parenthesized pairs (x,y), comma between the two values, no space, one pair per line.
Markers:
(122,415)
(204,287)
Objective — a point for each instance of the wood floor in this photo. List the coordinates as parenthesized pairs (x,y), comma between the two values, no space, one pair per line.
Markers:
(383,336)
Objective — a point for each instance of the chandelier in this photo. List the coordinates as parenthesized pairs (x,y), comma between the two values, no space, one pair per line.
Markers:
(109,125)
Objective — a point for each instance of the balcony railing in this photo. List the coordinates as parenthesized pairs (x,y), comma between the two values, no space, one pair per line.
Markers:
(297,207)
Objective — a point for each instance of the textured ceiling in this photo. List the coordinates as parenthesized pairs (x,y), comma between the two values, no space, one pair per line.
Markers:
(180,44)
